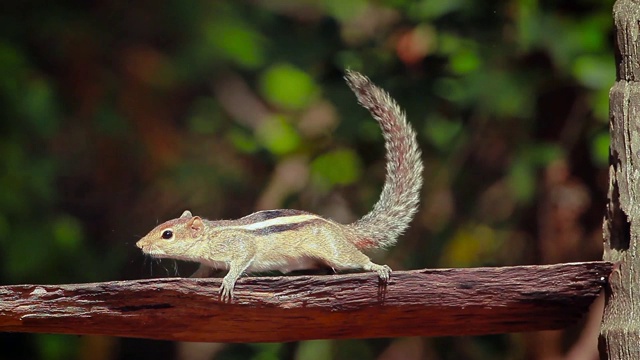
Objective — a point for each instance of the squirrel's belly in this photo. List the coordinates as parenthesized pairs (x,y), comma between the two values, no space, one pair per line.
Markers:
(283,265)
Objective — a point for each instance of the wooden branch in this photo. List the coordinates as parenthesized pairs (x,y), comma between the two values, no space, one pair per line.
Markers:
(414,303)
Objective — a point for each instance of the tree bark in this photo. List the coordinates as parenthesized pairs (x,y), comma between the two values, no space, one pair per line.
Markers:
(620,330)
(414,303)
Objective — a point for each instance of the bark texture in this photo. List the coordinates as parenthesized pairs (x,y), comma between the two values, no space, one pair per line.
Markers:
(620,330)
(414,303)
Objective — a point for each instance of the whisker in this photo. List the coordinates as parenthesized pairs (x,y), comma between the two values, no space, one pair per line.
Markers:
(175,269)
(166,271)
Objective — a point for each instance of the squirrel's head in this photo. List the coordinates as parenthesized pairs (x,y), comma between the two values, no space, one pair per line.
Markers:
(174,238)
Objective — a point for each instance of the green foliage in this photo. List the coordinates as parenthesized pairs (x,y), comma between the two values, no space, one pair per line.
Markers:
(288,87)
(600,149)
(594,72)
(114,118)
(442,133)
(236,41)
(473,246)
(344,10)
(56,347)
(204,116)
(432,10)
(67,233)
(522,181)
(267,351)
(523,169)
(278,135)
(242,141)
(339,167)
(315,350)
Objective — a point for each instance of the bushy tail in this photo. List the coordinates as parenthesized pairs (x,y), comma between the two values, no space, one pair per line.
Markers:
(400,196)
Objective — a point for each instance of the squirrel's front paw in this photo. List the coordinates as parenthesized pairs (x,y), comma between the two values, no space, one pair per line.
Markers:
(226,291)
(384,271)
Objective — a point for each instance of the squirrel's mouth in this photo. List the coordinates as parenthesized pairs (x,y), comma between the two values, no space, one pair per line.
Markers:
(155,252)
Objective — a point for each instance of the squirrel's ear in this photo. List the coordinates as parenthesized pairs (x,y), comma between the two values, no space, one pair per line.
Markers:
(196,225)
(186,214)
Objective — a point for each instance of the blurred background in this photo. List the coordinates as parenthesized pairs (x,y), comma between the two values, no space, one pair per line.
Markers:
(117,115)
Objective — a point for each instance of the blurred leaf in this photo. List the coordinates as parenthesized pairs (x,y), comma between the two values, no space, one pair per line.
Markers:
(369,130)
(237,41)
(348,59)
(111,122)
(600,149)
(492,92)
(352,349)
(26,255)
(590,34)
(12,65)
(67,233)
(396,3)
(4,228)
(278,136)
(57,347)
(600,102)
(41,173)
(527,15)
(442,132)
(568,39)
(288,86)
(501,94)
(542,154)
(39,106)
(12,157)
(242,141)
(472,245)
(596,72)
(204,116)
(465,61)
(339,167)
(449,43)
(522,180)
(429,9)
(522,173)
(344,10)
(451,89)
(267,351)
(27,178)
(315,350)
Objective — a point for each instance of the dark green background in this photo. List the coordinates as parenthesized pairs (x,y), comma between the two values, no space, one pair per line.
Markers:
(116,115)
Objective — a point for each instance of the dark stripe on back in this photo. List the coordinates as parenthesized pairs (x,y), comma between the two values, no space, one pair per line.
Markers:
(284,227)
(269,214)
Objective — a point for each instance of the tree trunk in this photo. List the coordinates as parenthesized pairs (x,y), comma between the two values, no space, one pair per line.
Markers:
(620,331)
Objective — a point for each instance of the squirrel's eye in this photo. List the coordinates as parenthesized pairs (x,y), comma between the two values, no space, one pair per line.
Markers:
(167,234)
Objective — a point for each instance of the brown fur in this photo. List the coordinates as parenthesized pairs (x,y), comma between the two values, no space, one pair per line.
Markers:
(288,240)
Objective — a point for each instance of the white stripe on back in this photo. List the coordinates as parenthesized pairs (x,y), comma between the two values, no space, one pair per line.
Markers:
(285,220)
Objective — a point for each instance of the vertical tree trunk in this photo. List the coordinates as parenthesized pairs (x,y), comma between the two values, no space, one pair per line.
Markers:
(620,331)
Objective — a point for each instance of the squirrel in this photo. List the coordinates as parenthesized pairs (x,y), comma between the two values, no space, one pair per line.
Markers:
(288,240)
